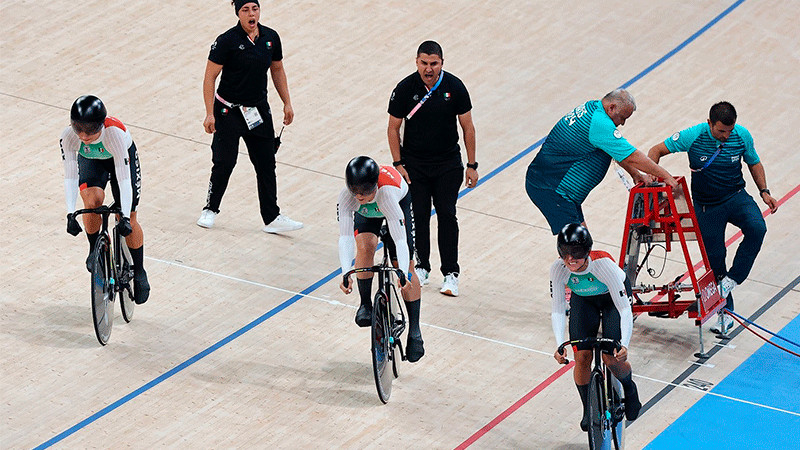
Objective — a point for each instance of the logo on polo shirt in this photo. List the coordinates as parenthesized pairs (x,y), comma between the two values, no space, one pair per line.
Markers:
(676,136)
(446,96)
(415,97)
(214,45)
(269,45)
(241,46)
(617,134)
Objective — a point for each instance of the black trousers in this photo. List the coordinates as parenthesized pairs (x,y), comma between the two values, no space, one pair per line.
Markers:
(260,143)
(437,184)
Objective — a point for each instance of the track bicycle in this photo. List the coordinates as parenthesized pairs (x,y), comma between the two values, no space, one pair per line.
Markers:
(606,407)
(112,273)
(388,319)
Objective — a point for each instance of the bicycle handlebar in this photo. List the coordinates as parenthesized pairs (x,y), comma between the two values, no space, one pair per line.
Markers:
(604,344)
(104,210)
(374,269)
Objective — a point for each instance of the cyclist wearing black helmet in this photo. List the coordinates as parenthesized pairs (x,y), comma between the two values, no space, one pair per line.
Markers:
(600,291)
(375,193)
(95,149)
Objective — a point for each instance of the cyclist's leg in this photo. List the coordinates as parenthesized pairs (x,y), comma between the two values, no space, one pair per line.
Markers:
(92,179)
(621,369)
(366,231)
(584,321)
(414,345)
(135,240)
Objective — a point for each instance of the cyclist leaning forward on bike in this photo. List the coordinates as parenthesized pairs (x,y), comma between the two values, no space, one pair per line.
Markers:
(599,288)
(95,149)
(373,193)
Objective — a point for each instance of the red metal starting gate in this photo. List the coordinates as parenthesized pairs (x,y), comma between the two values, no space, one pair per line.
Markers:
(657,215)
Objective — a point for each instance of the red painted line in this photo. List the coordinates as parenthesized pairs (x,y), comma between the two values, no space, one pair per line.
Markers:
(478,434)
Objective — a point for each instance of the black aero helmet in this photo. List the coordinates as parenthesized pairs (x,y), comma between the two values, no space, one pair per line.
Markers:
(361,175)
(87,114)
(574,240)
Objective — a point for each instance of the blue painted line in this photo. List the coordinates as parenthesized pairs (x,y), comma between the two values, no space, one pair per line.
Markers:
(682,44)
(769,377)
(333,274)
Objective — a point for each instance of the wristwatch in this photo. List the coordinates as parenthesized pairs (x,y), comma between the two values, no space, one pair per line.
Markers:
(399,162)
(761,191)
(473,166)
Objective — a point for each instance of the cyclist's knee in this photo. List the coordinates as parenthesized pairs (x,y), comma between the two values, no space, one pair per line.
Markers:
(583,358)
(92,197)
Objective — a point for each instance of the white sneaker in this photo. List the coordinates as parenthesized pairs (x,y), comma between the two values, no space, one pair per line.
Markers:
(424,276)
(726,285)
(282,224)
(450,285)
(724,324)
(206,219)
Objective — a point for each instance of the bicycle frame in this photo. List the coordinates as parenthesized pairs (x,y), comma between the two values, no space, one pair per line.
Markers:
(118,274)
(606,427)
(388,320)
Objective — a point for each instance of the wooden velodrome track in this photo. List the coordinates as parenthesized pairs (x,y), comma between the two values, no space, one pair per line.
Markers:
(226,353)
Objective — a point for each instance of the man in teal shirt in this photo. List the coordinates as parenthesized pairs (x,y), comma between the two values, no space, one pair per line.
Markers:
(716,150)
(576,155)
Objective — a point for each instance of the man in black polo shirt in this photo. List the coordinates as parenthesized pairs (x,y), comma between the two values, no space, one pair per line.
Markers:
(429,102)
(239,109)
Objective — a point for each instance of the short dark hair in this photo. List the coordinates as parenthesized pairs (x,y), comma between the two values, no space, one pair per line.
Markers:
(722,112)
(430,48)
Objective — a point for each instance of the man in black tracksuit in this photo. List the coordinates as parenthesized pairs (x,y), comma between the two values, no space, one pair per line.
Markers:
(430,102)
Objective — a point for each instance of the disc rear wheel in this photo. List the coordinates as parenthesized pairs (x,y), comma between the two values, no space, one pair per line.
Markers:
(102,291)
(382,359)
(596,412)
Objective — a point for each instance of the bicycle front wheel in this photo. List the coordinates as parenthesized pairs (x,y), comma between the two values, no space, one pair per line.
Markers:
(382,347)
(102,291)
(596,412)
(617,412)
(125,281)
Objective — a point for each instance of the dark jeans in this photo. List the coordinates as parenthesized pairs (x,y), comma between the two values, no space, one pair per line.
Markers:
(440,185)
(260,143)
(741,211)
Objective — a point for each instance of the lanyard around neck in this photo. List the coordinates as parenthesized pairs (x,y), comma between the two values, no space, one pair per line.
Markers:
(427,96)
(710,160)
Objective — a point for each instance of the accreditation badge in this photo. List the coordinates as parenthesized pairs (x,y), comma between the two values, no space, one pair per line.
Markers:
(251,116)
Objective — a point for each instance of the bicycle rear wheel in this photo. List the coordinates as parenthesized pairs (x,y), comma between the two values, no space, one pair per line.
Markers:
(617,413)
(125,281)
(381,347)
(596,412)
(102,291)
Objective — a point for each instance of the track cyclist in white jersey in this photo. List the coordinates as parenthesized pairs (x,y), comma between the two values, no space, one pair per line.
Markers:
(599,291)
(97,149)
(375,193)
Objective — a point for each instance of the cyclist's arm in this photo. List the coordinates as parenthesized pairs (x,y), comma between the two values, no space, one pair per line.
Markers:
(559,275)
(613,277)
(347,240)
(118,146)
(388,199)
(69,154)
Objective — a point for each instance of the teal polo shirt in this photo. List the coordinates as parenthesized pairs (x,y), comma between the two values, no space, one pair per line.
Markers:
(722,178)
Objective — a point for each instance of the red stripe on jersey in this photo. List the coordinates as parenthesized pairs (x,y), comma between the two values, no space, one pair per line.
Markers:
(389,176)
(598,254)
(114,122)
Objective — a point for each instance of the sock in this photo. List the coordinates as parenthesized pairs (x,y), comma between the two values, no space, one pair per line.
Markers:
(92,240)
(413,319)
(584,393)
(583,390)
(627,383)
(137,254)
(365,290)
